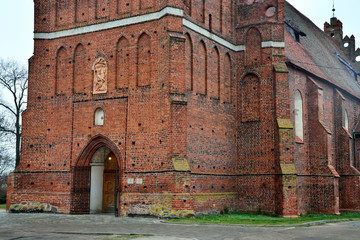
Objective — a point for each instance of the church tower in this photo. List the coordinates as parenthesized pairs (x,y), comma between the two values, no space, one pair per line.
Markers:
(168,108)
(347,44)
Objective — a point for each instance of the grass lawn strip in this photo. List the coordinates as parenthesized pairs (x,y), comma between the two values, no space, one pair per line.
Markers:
(125,237)
(2,206)
(261,219)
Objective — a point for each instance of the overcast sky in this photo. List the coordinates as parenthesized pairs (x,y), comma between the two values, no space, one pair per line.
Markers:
(16,22)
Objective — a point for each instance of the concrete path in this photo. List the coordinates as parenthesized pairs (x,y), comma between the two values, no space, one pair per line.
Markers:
(57,226)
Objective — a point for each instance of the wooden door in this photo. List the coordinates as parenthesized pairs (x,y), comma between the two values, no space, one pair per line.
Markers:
(110,167)
(108,192)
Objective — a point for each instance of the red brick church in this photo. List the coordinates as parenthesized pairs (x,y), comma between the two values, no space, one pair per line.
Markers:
(177,107)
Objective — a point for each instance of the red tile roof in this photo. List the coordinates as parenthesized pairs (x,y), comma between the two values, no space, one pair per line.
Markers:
(317,53)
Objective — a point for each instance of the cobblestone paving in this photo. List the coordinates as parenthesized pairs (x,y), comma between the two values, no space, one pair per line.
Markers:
(58,226)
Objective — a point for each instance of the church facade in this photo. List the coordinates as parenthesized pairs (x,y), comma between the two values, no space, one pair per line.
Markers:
(177,107)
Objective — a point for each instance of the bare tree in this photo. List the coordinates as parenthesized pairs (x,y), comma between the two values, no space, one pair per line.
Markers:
(6,162)
(13,84)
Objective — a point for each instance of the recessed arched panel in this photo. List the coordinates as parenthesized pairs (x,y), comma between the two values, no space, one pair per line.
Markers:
(214,73)
(221,15)
(228,19)
(253,47)
(81,10)
(122,63)
(188,5)
(227,81)
(198,10)
(144,60)
(124,6)
(216,16)
(299,125)
(200,78)
(64,12)
(63,71)
(82,80)
(102,8)
(144,4)
(250,91)
(189,62)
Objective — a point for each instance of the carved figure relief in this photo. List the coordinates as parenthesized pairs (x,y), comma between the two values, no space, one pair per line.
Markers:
(100,76)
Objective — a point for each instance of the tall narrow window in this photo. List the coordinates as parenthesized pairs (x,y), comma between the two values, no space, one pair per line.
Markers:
(99,117)
(299,127)
(346,120)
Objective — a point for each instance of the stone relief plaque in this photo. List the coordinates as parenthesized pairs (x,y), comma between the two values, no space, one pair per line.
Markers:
(100,76)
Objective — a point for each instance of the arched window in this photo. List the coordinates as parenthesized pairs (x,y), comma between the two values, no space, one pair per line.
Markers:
(99,117)
(346,120)
(299,127)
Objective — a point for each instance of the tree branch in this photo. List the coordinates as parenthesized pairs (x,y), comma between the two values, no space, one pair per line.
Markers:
(8,108)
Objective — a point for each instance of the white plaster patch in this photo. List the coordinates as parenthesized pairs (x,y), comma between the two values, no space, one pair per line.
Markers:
(272,44)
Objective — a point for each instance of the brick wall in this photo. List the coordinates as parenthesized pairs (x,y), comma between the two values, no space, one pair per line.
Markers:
(196,126)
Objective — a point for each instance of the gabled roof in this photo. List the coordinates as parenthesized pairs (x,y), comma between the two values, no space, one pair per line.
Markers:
(317,53)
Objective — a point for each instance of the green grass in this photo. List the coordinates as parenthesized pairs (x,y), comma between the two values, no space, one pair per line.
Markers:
(125,237)
(260,219)
(2,206)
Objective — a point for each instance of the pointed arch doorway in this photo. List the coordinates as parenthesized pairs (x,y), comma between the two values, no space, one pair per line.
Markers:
(103,181)
(95,185)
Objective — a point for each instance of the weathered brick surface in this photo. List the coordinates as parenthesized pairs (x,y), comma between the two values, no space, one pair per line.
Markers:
(195,126)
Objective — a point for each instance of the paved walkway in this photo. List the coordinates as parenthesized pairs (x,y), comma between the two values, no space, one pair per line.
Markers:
(58,226)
